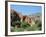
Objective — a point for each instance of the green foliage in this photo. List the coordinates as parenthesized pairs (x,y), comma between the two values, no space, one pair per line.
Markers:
(26,27)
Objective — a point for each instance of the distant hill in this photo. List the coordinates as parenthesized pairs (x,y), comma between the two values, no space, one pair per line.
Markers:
(36,14)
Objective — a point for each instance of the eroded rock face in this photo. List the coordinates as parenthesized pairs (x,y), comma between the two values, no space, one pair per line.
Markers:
(16,16)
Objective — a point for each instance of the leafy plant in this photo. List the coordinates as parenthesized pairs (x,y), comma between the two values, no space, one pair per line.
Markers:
(24,26)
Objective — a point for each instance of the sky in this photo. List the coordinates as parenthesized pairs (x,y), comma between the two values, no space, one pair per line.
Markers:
(26,9)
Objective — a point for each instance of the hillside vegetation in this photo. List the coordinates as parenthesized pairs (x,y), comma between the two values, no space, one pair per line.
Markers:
(17,25)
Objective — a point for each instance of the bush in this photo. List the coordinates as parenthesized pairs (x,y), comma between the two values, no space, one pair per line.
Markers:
(26,27)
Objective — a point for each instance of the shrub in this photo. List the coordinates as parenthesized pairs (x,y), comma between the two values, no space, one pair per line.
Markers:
(26,27)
